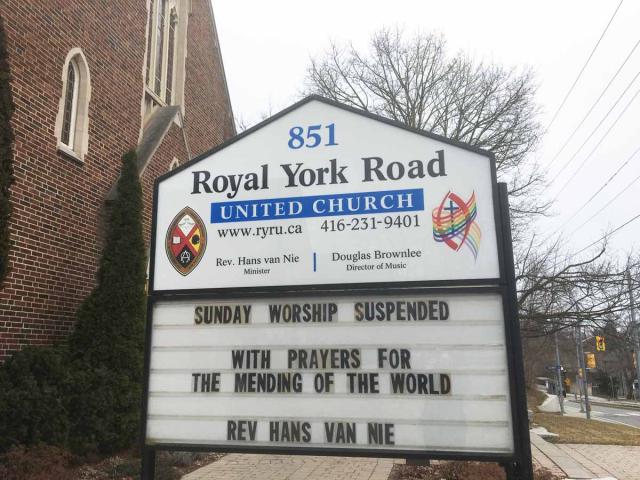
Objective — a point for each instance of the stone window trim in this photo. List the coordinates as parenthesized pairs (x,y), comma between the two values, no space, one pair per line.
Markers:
(175,163)
(77,143)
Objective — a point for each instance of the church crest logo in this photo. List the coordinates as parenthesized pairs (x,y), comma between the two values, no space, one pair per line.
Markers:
(186,241)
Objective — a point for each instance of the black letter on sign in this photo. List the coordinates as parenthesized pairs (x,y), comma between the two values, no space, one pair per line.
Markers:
(197,181)
(445,384)
(439,162)
(444,311)
(368,169)
(198,315)
(231,430)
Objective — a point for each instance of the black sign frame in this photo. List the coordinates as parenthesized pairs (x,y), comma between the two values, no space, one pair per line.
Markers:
(517,465)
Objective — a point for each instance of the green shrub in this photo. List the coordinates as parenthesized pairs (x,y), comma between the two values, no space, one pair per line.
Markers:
(105,410)
(32,398)
(108,343)
(87,395)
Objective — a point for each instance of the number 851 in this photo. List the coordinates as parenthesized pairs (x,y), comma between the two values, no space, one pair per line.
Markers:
(313,136)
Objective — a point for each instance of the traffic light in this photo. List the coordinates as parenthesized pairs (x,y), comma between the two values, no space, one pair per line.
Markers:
(600,345)
(591,360)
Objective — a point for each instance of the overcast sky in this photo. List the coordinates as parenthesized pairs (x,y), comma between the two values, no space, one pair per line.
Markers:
(266,48)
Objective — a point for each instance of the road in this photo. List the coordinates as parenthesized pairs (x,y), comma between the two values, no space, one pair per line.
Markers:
(610,414)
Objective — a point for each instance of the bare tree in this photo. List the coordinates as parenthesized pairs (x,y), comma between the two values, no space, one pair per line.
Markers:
(556,292)
(556,296)
(414,81)
(242,123)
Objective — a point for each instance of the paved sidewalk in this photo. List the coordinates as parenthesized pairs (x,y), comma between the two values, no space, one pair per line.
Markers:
(579,461)
(541,460)
(559,461)
(615,461)
(291,467)
(630,404)
(565,460)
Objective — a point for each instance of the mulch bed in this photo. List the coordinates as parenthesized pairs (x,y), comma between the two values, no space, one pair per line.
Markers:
(46,463)
(458,471)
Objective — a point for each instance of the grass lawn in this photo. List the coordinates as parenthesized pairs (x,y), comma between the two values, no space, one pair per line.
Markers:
(534,398)
(581,430)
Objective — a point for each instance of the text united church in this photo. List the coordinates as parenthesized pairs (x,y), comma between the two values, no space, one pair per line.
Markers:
(374,170)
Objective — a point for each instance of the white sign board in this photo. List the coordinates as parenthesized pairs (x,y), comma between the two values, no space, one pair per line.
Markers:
(373,322)
(406,373)
(323,195)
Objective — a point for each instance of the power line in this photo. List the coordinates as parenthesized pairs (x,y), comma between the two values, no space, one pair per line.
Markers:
(584,66)
(607,235)
(607,204)
(606,115)
(611,177)
(602,187)
(597,145)
(577,211)
(586,115)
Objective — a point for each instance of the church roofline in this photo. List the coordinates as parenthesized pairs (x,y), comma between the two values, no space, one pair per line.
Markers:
(153,134)
(333,103)
(224,74)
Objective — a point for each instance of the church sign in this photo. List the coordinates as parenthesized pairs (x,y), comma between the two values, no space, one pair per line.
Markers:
(323,196)
(330,282)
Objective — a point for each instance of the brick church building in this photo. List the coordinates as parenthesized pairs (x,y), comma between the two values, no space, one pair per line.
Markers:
(91,80)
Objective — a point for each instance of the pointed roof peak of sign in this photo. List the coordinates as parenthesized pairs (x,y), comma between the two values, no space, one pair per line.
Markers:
(333,103)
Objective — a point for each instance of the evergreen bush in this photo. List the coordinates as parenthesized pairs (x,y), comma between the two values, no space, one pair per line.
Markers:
(87,394)
(6,152)
(107,345)
(33,385)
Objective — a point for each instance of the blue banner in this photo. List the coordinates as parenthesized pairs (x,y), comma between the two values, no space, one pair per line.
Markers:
(359,203)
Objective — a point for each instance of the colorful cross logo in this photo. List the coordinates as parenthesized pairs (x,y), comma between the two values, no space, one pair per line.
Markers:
(455,224)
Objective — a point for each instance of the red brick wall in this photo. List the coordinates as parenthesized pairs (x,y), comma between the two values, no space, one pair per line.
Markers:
(208,117)
(57,202)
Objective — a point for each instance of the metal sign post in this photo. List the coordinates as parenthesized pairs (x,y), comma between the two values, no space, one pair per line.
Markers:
(559,376)
(579,378)
(521,467)
(636,335)
(334,283)
(583,368)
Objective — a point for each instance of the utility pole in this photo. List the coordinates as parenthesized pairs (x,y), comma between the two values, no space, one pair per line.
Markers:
(559,376)
(583,368)
(578,376)
(634,325)
(613,389)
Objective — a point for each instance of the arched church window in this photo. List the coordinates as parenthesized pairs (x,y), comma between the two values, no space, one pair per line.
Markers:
(173,22)
(72,121)
(70,105)
(159,44)
(166,44)
(149,41)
